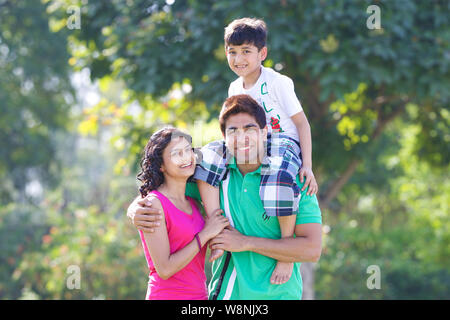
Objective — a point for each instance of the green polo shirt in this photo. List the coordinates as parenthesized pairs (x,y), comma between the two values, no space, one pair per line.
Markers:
(248,273)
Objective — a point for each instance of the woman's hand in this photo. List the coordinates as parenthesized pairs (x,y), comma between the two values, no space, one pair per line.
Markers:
(213,226)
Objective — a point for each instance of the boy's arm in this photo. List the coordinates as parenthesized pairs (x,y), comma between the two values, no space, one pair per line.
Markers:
(208,174)
(285,93)
(304,134)
(210,197)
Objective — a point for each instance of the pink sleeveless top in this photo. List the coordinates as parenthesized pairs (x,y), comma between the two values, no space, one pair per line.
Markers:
(190,282)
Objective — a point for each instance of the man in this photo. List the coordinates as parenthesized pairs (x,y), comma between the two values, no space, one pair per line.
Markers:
(253,243)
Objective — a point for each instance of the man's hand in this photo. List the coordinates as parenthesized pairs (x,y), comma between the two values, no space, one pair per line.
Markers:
(142,215)
(310,180)
(230,240)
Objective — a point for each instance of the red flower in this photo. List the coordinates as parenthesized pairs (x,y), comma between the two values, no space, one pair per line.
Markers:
(275,123)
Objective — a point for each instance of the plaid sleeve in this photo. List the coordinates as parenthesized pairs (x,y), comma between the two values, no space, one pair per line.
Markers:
(278,190)
(283,153)
(211,168)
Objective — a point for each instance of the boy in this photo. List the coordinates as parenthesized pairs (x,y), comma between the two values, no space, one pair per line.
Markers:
(245,48)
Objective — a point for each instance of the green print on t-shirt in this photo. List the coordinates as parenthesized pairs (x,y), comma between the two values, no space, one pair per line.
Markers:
(274,122)
(262,88)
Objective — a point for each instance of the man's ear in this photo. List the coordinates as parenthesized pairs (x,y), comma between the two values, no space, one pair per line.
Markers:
(264,133)
(263,53)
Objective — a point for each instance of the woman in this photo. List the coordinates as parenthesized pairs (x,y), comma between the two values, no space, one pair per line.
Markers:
(176,250)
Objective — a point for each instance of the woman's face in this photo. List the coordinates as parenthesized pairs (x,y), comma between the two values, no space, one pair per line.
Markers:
(178,158)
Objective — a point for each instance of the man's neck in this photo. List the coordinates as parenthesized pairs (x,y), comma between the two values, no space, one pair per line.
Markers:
(246,168)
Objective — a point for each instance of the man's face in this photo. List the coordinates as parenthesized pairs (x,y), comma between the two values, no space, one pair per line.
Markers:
(245,59)
(244,139)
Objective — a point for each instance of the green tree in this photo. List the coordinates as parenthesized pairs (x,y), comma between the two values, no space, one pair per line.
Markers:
(394,215)
(351,80)
(34,92)
(354,83)
(79,224)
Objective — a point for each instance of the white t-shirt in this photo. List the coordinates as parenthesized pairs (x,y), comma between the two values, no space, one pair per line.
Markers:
(275,93)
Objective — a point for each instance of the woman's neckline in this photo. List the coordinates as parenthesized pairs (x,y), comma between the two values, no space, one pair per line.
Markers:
(173,204)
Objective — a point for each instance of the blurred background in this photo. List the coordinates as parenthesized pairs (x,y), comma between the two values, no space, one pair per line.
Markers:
(83,85)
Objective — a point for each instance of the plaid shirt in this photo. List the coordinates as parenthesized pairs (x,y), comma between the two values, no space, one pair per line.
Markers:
(279,191)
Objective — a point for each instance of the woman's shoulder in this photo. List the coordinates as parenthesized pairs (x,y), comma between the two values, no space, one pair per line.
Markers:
(155,201)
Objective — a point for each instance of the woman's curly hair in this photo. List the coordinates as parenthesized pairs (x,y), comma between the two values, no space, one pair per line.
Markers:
(152,159)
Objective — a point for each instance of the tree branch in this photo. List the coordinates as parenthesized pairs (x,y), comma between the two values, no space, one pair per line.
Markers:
(337,185)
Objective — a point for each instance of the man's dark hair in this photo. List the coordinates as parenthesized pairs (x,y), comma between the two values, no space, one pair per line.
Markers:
(241,103)
(246,30)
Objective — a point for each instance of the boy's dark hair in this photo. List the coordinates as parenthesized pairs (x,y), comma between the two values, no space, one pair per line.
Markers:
(246,30)
(152,159)
(241,103)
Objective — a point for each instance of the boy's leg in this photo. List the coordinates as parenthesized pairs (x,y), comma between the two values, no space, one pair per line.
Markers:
(280,194)
(211,202)
(283,270)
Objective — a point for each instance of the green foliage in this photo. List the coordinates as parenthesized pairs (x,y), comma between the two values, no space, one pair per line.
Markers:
(395,216)
(21,230)
(326,48)
(34,94)
(376,96)
(81,224)
(105,249)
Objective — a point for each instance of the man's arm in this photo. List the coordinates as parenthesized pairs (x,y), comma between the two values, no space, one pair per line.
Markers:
(142,215)
(306,247)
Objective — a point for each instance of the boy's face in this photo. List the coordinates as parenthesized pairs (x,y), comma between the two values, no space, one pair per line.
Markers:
(245,60)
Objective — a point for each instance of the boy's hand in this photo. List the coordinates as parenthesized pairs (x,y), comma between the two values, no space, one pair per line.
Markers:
(310,180)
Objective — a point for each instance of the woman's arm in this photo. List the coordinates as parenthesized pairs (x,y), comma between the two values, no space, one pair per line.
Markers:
(158,245)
